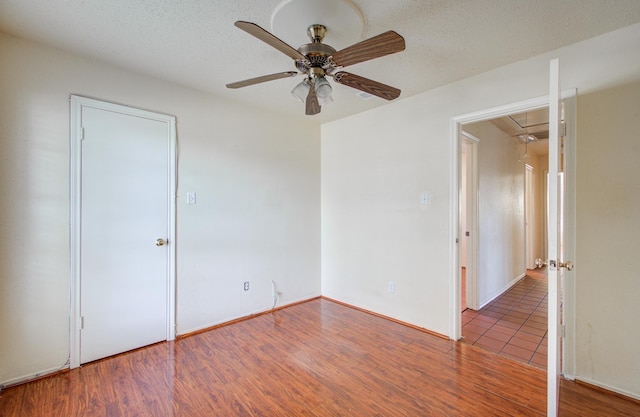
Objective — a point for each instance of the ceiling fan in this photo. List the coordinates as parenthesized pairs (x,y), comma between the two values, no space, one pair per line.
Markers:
(317,60)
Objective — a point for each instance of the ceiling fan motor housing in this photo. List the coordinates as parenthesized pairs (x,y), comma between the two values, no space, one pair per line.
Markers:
(317,53)
(316,33)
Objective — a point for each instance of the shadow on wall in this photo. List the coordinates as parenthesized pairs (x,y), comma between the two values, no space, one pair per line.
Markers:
(608,237)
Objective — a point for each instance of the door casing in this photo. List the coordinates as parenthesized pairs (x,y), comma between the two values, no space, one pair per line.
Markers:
(471,215)
(455,326)
(76,105)
(529,210)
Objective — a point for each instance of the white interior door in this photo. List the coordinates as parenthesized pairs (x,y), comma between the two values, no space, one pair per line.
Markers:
(125,222)
(561,239)
(554,241)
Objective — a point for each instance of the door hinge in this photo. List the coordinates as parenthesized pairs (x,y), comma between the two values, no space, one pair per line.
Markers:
(81,322)
(82,133)
(563,129)
(563,331)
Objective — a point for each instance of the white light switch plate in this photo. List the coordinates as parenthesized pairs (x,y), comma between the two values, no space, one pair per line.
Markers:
(425,199)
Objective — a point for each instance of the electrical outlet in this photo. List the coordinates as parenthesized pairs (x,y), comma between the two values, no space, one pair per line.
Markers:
(246,285)
(392,287)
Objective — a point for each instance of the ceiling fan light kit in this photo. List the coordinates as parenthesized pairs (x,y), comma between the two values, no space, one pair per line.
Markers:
(317,61)
(322,86)
(325,100)
(301,90)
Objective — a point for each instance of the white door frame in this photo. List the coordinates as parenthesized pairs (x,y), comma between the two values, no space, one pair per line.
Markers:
(455,326)
(455,123)
(569,277)
(472,241)
(76,105)
(529,219)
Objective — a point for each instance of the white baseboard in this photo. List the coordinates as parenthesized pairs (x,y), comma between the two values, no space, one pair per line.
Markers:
(30,377)
(634,395)
(222,322)
(503,290)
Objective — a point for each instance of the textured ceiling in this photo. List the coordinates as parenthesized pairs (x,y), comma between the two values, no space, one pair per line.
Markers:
(521,125)
(194,42)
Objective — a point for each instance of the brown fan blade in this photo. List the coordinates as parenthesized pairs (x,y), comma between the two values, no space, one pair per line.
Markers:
(313,107)
(384,44)
(264,78)
(263,35)
(368,86)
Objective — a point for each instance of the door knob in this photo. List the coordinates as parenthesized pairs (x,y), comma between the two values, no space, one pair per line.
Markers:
(160,242)
(568,265)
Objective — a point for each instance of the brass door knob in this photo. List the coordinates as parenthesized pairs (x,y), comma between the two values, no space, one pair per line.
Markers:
(160,242)
(568,265)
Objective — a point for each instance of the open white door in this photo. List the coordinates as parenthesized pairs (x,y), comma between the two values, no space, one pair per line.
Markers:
(553,365)
(561,218)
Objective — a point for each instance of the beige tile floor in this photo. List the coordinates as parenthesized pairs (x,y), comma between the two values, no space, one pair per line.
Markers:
(514,324)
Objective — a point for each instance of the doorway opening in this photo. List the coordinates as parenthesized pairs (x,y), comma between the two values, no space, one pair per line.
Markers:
(523,148)
(507,313)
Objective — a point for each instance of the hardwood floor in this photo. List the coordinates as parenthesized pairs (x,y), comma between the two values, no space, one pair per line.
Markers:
(318,358)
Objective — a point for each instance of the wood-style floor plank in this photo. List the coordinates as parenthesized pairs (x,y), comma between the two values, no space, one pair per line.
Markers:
(314,359)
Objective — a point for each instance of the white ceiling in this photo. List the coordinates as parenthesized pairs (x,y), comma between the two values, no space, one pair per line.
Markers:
(194,42)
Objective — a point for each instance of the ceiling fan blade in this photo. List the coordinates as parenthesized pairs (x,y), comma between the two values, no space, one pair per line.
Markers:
(368,86)
(264,78)
(263,35)
(384,44)
(313,107)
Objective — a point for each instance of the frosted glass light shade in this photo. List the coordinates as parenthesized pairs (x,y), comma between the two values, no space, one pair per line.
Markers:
(301,91)
(323,88)
(325,100)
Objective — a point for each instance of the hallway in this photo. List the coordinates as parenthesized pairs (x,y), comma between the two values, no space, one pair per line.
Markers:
(514,325)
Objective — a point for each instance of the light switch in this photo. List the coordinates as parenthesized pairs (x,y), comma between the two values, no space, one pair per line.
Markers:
(191,198)
(425,199)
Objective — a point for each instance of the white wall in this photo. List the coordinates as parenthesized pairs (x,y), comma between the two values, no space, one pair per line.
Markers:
(608,238)
(257,216)
(501,238)
(375,164)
